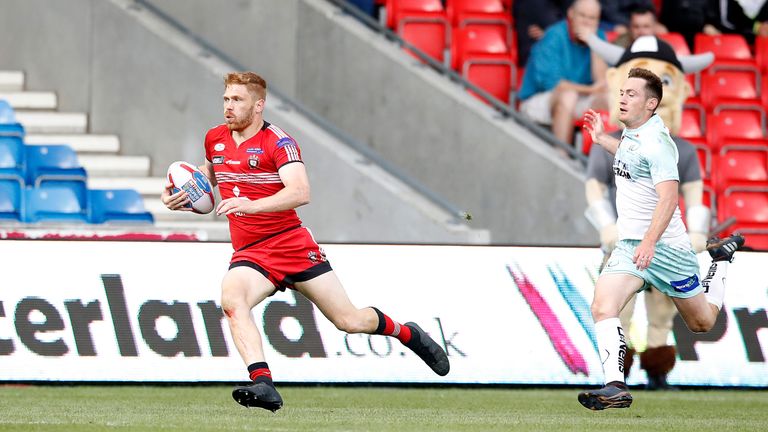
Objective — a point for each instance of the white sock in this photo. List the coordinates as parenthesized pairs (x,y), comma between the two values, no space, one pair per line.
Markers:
(714,283)
(613,348)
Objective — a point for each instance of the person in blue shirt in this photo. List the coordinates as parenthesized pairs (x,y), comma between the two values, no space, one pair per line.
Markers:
(562,77)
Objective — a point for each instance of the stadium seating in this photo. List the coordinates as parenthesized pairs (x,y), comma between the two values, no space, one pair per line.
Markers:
(12,129)
(692,122)
(53,204)
(117,205)
(704,155)
(761,53)
(740,162)
(7,115)
(730,86)
(422,23)
(677,42)
(729,49)
(12,155)
(11,200)
(482,13)
(483,58)
(52,163)
(734,122)
(749,205)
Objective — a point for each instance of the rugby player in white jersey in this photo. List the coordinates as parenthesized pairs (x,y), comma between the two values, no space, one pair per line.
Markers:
(653,247)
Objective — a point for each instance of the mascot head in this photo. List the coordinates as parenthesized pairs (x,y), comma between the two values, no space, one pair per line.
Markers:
(652,53)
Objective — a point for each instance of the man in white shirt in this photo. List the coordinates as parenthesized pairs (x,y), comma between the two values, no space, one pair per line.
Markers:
(653,247)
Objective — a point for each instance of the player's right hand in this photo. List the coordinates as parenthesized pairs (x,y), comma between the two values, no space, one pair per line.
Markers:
(174,201)
(594,124)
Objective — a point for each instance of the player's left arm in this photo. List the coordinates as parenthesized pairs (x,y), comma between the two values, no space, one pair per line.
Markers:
(293,195)
(662,214)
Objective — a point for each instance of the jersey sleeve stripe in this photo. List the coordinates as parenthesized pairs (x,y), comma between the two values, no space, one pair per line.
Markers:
(277,131)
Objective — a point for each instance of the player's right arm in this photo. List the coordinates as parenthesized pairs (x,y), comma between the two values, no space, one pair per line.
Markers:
(594,124)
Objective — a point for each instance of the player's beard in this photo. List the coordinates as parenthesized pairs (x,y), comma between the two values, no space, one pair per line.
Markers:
(240,123)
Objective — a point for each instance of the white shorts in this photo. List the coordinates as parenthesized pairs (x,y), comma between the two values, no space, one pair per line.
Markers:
(539,107)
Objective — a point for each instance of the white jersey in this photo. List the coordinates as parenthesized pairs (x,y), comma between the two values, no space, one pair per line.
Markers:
(646,156)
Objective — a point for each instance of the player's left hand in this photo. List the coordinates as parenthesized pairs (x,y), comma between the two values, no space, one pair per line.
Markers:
(644,254)
(235,205)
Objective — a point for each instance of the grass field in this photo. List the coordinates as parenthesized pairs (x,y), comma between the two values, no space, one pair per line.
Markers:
(211,408)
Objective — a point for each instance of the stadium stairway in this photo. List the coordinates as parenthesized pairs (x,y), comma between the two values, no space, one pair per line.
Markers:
(99,154)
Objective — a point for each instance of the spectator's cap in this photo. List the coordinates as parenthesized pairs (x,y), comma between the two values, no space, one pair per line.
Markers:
(649,47)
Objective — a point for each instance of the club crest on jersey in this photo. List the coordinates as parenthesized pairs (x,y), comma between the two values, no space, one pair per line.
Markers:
(253,161)
(218,160)
(219,147)
(257,151)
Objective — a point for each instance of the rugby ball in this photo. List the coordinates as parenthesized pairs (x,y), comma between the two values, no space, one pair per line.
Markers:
(187,177)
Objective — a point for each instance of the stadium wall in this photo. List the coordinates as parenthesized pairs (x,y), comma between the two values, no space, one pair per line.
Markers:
(514,184)
(160,93)
(506,315)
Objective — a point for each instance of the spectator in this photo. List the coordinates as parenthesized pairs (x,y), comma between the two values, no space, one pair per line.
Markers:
(531,18)
(687,17)
(642,22)
(747,18)
(562,77)
(616,13)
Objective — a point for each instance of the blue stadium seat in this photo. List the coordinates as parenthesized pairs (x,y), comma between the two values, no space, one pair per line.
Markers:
(367,6)
(12,129)
(117,205)
(53,204)
(11,199)
(12,154)
(53,163)
(7,115)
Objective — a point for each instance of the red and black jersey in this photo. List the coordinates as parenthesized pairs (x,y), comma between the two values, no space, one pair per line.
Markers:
(250,171)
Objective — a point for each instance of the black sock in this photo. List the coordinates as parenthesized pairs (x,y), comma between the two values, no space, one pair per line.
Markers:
(259,372)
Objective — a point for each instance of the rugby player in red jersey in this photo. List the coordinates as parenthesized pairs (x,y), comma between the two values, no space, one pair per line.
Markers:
(262,179)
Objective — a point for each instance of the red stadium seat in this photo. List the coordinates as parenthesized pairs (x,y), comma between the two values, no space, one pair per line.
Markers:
(761,53)
(484,10)
(749,205)
(677,42)
(727,48)
(741,161)
(428,33)
(422,23)
(484,59)
(734,122)
(692,122)
(704,155)
(730,86)
(397,8)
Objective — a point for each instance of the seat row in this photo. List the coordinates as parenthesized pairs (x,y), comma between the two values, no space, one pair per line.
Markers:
(64,202)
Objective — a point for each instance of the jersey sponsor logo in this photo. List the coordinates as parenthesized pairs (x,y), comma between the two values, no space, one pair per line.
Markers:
(686,284)
(253,161)
(257,151)
(621,169)
(285,142)
(219,147)
(233,162)
(218,160)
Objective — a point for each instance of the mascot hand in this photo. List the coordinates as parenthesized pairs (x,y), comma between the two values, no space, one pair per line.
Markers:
(698,241)
(609,234)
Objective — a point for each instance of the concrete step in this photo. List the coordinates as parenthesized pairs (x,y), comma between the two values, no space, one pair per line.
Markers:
(11,80)
(150,187)
(81,143)
(30,100)
(53,122)
(115,166)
